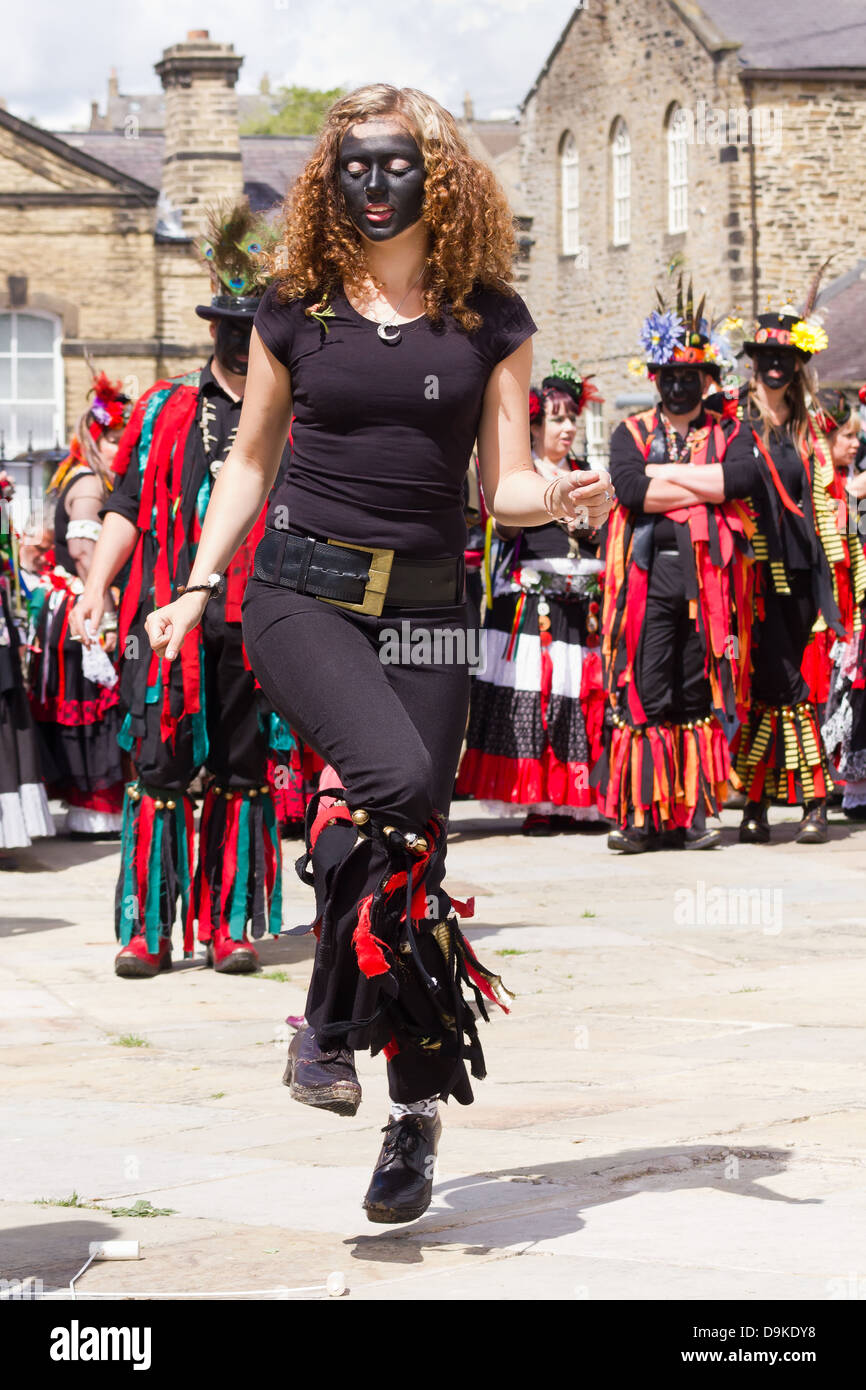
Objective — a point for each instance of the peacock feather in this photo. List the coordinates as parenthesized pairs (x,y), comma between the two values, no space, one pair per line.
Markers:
(238,240)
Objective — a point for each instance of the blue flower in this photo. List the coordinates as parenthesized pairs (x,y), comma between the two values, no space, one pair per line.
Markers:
(660,334)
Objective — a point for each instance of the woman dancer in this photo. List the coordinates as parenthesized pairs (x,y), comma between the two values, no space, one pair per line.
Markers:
(537,708)
(24,812)
(809,574)
(397,339)
(74,699)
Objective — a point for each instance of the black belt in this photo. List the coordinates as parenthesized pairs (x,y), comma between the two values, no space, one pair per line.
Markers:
(362,577)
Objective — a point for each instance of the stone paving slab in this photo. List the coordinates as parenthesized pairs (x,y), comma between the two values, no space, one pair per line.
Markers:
(674,1109)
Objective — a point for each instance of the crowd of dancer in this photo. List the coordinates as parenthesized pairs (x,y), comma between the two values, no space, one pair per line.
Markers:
(707,641)
(654,640)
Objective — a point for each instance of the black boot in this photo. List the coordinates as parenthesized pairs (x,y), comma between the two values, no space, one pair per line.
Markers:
(755,827)
(402,1182)
(813,830)
(324,1078)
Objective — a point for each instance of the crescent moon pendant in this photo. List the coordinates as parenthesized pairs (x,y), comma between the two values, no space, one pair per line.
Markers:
(389,332)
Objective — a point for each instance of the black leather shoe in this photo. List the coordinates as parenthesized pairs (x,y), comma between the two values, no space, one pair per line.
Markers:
(402,1182)
(631,841)
(813,830)
(705,837)
(754,827)
(326,1079)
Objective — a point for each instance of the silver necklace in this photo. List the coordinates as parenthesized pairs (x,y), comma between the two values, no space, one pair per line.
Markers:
(394,336)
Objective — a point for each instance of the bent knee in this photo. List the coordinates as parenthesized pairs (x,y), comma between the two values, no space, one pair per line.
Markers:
(404,792)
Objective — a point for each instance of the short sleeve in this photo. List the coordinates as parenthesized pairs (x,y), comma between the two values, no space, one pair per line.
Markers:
(125,496)
(740,466)
(274,322)
(507,324)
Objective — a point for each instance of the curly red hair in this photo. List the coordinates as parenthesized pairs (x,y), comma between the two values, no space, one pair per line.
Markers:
(466,212)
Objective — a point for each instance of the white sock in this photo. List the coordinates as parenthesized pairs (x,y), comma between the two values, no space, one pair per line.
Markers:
(428,1107)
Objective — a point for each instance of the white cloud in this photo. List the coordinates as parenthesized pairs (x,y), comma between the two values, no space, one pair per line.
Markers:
(61,54)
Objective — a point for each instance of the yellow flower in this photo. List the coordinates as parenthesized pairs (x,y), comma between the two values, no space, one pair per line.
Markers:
(730,324)
(636,367)
(809,336)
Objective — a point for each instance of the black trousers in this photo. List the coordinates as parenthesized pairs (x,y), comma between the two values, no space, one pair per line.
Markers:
(393,731)
(670,661)
(238,749)
(781,641)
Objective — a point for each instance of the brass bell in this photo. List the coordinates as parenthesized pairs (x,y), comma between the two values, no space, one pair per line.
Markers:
(360,817)
(420,846)
(264,789)
(170,805)
(254,791)
(229,796)
(217,791)
(160,805)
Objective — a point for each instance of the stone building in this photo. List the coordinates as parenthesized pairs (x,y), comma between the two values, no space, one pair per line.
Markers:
(98,235)
(727,135)
(98,232)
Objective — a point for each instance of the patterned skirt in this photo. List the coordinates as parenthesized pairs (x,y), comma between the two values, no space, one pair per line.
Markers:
(78,722)
(24,812)
(537,706)
(844,728)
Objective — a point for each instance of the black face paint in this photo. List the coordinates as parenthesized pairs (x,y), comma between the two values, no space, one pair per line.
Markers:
(776,366)
(385,169)
(680,388)
(232,344)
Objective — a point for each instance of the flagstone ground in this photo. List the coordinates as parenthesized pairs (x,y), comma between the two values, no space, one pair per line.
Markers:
(674,1107)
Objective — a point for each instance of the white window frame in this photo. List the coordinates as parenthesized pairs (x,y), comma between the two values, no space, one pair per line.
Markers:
(569,195)
(596,443)
(620,159)
(15,442)
(678,174)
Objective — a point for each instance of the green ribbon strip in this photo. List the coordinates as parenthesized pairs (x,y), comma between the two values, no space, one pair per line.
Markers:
(275,918)
(240,890)
(154,886)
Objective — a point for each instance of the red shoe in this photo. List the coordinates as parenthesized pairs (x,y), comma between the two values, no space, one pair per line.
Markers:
(135,962)
(230,957)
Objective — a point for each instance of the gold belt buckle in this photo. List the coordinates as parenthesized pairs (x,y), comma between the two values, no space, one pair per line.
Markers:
(376,586)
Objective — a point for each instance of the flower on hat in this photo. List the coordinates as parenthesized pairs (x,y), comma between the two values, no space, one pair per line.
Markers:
(637,367)
(809,336)
(661,334)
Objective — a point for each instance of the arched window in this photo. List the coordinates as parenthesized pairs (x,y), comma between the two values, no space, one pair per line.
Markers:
(678,171)
(569,194)
(620,156)
(597,451)
(31,381)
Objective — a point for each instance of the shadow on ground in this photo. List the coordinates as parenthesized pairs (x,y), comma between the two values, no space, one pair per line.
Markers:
(582,1184)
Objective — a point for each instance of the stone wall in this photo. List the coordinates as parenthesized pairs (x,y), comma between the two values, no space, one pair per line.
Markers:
(629,59)
(809,199)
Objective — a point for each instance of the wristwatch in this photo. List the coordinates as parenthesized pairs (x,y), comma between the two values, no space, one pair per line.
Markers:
(213,586)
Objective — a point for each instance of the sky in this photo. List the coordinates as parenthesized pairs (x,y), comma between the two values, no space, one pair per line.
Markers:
(58,55)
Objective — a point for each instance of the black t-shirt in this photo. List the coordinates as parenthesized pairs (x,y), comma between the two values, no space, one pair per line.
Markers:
(797,534)
(382,435)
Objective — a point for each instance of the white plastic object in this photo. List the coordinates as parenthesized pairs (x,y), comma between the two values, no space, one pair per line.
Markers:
(114,1250)
(335,1283)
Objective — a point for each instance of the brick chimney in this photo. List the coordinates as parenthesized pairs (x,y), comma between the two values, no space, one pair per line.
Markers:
(202,156)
